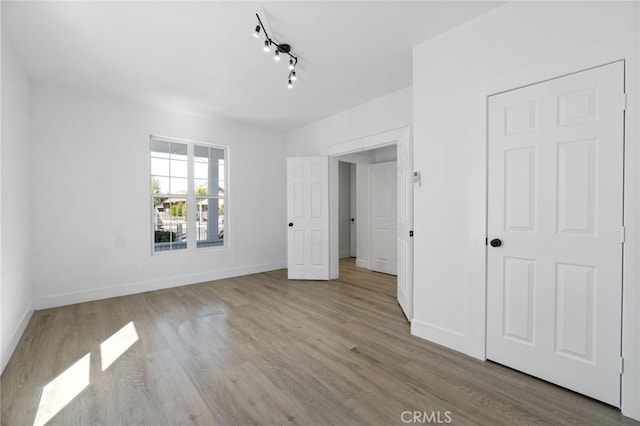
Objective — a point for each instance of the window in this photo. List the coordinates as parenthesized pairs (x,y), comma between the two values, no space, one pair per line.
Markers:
(188,194)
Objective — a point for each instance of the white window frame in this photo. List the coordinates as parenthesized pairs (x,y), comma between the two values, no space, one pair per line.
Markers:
(192,243)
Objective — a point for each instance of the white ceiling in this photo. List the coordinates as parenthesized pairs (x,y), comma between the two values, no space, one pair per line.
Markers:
(200,57)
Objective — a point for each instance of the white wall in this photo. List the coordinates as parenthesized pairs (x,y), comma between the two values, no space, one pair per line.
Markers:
(380,115)
(514,45)
(90,168)
(17,293)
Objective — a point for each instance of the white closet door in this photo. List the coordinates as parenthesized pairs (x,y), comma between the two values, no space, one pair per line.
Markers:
(555,204)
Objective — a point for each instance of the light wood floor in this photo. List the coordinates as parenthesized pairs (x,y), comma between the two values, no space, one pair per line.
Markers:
(263,350)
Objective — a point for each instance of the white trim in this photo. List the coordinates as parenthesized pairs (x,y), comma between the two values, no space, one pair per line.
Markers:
(442,336)
(8,350)
(366,143)
(151,285)
(362,263)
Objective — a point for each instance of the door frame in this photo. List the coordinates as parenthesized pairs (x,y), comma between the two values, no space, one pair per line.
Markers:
(353,146)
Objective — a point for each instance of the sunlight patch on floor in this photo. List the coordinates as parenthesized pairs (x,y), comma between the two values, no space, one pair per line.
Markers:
(61,390)
(112,348)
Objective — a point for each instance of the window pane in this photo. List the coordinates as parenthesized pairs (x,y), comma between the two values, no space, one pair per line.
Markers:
(169,223)
(201,187)
(201,152)
(160,149)
(209,167)
(178,168)
(178,151)
(201,170)
(178,185)
(210,222)
(159,185)
(159,166)
(168,167)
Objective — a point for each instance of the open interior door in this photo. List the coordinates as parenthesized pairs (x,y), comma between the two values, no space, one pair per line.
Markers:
(405,223)
(308,215)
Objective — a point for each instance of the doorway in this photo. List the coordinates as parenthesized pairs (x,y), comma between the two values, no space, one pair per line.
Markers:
(394,145)
(367,208)
(347,204)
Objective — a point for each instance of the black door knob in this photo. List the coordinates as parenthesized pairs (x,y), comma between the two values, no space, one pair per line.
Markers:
(290,224)
(496,242)
(353,220)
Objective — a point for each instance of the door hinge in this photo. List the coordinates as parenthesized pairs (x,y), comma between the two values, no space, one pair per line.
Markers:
(623,234)
(624,101)
(486,241)
(621,365)
(411,233)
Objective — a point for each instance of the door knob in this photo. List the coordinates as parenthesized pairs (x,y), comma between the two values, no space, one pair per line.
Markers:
(496,242)
(290,224)
(353,220)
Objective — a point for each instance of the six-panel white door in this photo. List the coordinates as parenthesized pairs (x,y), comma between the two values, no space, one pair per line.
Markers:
(308,215)
(555,203)
(384,256)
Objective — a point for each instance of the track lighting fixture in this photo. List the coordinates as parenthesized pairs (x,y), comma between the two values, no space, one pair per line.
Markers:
(279,48)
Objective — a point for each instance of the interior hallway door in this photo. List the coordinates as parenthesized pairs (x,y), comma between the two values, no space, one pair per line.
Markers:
(308,215)
(384,256)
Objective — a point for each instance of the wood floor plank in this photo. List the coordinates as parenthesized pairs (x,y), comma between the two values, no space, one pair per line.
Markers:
(261,349)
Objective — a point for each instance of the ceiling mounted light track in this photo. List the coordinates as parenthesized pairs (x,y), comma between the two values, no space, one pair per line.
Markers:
(279,48)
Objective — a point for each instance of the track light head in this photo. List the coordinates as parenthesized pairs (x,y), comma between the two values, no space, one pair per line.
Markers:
(279,49)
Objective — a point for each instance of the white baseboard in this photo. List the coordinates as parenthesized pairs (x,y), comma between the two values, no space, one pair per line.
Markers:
(56,300)
(344,254)
(362,263)
(442,336)
(8,350)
